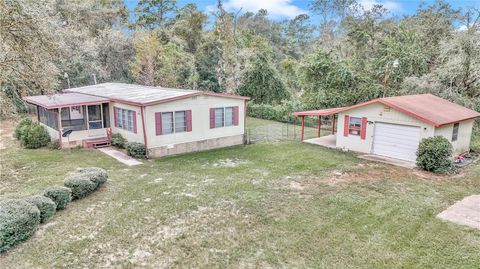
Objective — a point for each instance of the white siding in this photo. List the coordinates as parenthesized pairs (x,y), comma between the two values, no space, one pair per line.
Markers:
(464,135)
(130,136)
(376,112)
(200,107)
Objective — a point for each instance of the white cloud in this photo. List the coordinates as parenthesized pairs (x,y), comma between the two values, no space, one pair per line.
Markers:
(275,8)
(389,5)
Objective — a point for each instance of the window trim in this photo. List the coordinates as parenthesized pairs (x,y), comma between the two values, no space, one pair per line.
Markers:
(174,124)
(455,131)
(357,130)
(120,119)
(224,123)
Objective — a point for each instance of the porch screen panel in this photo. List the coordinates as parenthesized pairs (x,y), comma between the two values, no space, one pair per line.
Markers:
(95,117)
(48,117)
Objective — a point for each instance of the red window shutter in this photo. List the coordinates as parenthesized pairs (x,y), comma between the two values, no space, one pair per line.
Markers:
(345,125)
(363,131)
(188,115)
(235,115)
(158,123)
(115,123)
(212,118)
(135,121)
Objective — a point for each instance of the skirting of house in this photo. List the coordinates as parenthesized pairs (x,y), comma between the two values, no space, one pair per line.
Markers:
(200,145)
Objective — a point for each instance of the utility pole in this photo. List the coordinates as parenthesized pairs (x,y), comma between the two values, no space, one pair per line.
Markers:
(65,75)
(395,63)
(94,78)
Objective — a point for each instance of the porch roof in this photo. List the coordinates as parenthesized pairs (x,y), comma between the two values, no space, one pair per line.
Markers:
(321,112)
(65,100)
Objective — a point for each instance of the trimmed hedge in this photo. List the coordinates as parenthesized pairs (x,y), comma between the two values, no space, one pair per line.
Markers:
(18,221)
(434,154)
(34,136)
(96,174)
(80,184)
(62,196)
(19,129)
(46,206)
(136,150)
(118,141)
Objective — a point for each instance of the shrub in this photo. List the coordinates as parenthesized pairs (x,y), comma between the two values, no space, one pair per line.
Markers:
(81,185)
(19,129)
(34,136)
(136,150)
(46,206)
(62,196)
(95,174)
(18,221)
(118,141)
(434,154)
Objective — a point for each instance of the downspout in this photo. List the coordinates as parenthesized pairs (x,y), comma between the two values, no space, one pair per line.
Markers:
(144,133)
(245,120)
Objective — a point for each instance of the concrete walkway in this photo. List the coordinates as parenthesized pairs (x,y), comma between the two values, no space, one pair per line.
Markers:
(388,160)
(119,156)
(466,212)
(329,141)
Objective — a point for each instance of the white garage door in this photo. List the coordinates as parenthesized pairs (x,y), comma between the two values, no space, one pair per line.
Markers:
(396,141)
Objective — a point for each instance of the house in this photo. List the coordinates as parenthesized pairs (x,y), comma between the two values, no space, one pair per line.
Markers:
(167,121)
(394,126)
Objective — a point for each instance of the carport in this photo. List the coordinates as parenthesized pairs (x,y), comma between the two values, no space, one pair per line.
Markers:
(318,113)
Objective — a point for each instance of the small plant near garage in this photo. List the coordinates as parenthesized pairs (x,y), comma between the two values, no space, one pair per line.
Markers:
(434,154)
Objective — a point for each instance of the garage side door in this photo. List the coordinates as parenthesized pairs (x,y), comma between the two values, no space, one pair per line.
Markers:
(396,141)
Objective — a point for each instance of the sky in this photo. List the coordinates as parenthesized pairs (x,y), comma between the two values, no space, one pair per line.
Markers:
(288,9)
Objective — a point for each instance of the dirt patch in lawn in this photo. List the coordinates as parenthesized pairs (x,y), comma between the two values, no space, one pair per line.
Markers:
(228,162)
(6,134)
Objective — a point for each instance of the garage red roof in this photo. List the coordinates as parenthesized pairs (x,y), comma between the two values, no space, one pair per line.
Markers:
(425,107)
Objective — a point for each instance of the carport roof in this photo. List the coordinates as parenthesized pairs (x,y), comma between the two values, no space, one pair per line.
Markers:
(425,107)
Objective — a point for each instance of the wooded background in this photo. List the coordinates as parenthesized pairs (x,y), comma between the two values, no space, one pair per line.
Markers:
(282,65)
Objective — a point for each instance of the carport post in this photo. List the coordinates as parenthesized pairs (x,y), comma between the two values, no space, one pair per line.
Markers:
(319,124)
(303,126)
(333,124)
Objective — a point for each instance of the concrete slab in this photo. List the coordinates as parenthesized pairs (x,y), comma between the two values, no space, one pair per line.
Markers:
(388,160)
(120,156)
(329,141)
(466,212)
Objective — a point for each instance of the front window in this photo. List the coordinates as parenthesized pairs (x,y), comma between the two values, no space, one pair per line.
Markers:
(167,122)
(219,117)
(174,122)
(354,126)
(455,131)
(229,116)
(124,119)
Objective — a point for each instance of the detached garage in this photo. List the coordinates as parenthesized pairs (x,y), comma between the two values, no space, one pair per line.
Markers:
(394,126)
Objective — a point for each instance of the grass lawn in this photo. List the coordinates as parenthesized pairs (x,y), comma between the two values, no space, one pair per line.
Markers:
(281,204)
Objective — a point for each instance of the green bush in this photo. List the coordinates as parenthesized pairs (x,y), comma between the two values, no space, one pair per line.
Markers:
(95,174)
(62,196)
(434,154)
(46,206)
(34,136)
(19,129)
(18,221)
(81,185)
(117,140)
(136,150)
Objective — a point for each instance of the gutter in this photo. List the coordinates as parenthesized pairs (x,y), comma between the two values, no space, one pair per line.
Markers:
(144,132)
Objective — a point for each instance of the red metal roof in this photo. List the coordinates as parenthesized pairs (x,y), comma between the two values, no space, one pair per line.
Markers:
(425,107)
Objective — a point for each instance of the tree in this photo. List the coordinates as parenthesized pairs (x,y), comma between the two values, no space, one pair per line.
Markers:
(154,13)
(329,82)
(298,35)
(28,51)
(188,25)
(262,82)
